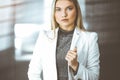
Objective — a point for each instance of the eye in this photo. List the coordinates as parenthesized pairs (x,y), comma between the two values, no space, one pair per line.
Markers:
(69,8)
(57,9)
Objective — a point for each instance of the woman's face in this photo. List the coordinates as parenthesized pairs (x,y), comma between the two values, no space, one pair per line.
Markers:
(65,14)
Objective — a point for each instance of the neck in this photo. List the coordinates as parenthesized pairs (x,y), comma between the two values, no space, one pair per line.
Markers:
(64,31)
(67,29)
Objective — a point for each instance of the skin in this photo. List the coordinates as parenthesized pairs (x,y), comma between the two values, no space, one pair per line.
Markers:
(71,57)
(65,15)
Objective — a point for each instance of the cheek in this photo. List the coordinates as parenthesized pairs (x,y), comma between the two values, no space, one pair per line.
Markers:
(57,17)
(73,16)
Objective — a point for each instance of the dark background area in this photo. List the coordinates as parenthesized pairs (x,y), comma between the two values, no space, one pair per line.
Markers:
(102,16)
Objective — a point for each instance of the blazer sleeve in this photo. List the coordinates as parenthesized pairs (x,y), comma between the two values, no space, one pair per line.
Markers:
(35,66)
(91,70)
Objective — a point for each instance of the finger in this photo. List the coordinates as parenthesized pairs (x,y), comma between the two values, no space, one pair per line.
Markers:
(69,59)
(75,49)
(70,56)
(72,53)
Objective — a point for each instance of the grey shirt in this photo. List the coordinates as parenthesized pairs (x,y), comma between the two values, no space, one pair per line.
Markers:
(63,45)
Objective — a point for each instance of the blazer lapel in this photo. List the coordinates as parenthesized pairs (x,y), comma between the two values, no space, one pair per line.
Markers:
(75,38)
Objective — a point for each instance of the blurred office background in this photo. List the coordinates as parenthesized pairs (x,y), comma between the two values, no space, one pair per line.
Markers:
(20,21)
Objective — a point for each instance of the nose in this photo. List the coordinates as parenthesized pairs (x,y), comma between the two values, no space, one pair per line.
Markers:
(64,14)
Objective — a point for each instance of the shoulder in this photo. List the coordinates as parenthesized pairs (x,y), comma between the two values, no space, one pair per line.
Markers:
(46,34)
(88,34)
(90,37)
(44,28)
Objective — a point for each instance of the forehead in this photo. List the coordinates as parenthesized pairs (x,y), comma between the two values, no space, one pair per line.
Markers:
(64,3)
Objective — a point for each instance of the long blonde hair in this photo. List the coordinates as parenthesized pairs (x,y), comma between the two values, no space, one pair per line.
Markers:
(78,22)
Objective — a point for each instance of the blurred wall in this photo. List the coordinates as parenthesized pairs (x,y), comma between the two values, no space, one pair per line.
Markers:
(6,25)
(12,12)
(103,16)
(6,39)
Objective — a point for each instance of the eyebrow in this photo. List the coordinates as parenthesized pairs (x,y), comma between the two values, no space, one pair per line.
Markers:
(65,7)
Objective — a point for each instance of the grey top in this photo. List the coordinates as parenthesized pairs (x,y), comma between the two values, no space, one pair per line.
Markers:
(63,45)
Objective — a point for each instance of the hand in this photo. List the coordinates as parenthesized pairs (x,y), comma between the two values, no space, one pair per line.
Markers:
(71,57)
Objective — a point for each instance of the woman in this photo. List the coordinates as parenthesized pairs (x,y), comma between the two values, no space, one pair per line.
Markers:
(67,51)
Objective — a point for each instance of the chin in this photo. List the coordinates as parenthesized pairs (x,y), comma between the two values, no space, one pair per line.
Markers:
(65,24)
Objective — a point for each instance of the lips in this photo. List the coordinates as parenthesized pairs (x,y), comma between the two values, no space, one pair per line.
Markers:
(64,20)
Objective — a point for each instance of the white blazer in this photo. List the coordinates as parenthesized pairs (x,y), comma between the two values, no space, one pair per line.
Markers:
(43,63)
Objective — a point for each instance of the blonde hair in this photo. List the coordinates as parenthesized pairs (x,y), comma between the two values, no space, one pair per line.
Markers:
(78,22)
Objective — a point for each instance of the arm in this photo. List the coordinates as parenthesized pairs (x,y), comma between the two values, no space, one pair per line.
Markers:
(35,66)
(91,70)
